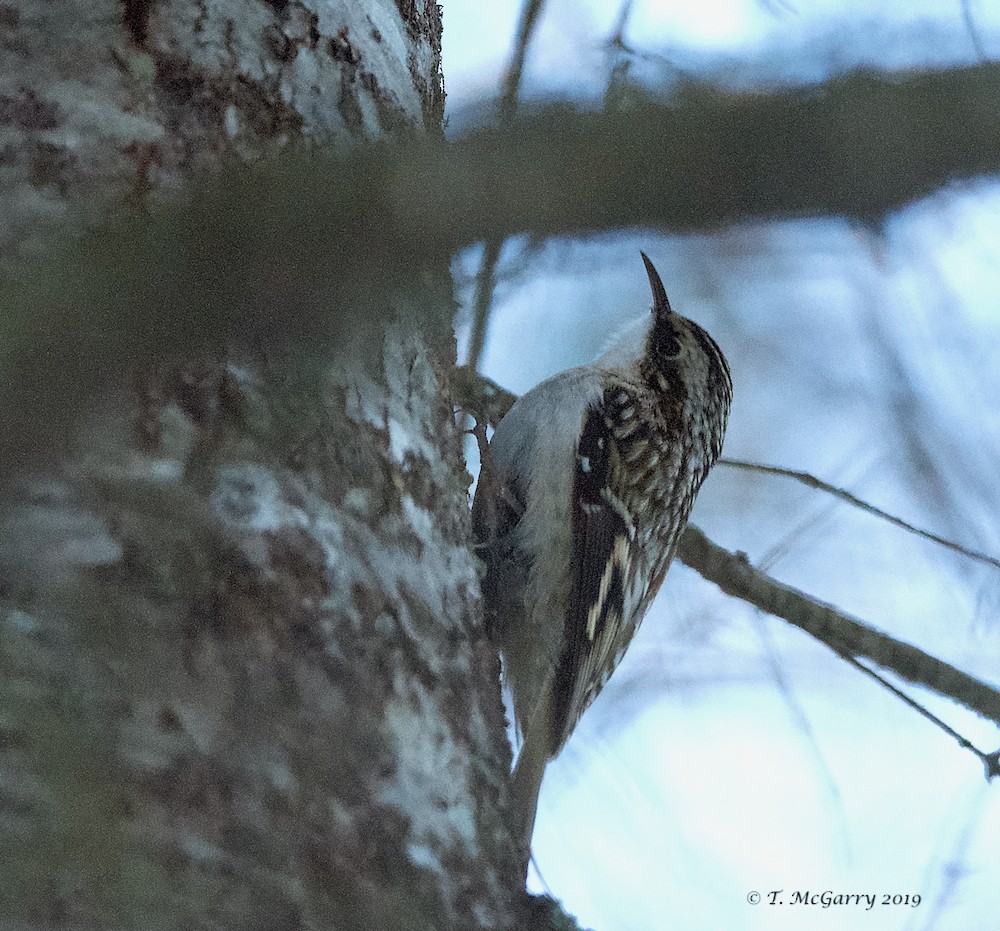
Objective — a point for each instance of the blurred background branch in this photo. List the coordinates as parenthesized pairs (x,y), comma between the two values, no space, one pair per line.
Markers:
(506,109)
(861,146)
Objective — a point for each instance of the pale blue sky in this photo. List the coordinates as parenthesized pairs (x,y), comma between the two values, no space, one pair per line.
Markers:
(765,40)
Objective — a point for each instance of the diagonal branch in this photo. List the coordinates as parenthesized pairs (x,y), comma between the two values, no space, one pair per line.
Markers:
(989,760)
(973,30)
(841,633)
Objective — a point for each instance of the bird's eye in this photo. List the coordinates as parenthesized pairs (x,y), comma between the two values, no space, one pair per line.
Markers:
(666,344)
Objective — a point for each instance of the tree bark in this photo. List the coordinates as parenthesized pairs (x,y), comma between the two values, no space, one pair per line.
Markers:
(242,680)
(103,102)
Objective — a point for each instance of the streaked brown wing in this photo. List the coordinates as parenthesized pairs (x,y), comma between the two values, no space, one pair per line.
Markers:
(602,539)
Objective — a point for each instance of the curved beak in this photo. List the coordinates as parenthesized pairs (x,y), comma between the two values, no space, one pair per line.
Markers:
(661,306)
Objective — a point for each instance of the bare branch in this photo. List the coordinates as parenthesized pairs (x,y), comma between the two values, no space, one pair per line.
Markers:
(776,7)
(843,151)
(804,726)
(806,479)
(973,30)
(486,276)
(530,13)
(620,56)
(482,302)
(843,634)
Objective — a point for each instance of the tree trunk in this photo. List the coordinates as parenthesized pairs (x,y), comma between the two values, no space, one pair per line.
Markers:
(242,680)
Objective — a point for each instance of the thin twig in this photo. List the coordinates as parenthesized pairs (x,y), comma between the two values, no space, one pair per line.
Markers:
(950,866)
(972,29)
(806,479)
(987,759)
(530,13)
(507,108)
(620,54)
(801,721)
(776,7)
(482,301)
(617,37)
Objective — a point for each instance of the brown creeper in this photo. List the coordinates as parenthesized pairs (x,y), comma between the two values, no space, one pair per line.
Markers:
(592,475)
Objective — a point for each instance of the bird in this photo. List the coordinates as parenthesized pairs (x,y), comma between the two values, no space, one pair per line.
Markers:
(585,489)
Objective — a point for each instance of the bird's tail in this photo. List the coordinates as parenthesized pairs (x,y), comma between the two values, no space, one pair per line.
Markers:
(536,751)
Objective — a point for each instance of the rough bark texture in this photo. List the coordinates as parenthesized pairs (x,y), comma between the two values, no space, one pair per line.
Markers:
(104,101)
(240,680)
